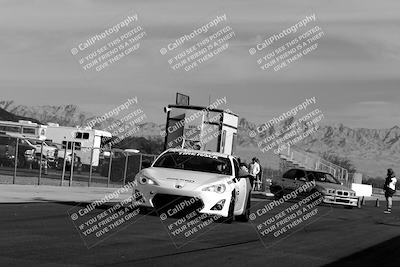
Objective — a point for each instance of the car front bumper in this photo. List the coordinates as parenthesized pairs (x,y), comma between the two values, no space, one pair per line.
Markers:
(173,200)
(341,200)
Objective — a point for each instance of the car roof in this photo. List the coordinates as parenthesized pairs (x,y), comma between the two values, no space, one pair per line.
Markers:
(222,155)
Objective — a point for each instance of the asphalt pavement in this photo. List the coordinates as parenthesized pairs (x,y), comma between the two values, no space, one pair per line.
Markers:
(43,234)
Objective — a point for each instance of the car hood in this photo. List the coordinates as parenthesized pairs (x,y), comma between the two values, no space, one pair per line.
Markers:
(186,180)
(333,186)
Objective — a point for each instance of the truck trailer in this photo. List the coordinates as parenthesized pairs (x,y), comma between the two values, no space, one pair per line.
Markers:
(201,128)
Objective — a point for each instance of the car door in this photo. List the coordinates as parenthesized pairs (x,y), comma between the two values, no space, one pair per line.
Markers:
(300,178)
(288,182)
(242,187)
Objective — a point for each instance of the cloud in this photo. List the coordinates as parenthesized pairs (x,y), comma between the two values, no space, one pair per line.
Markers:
(356,61)
(370,114)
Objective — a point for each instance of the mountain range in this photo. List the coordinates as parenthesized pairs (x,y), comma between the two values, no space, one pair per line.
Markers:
(371,151)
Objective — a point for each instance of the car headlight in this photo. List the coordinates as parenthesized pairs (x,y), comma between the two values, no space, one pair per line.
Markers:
(331,191)
(218,188)
(143,179)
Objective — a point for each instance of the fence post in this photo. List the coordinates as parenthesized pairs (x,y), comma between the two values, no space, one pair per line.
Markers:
(15,161)
(72,164)
(40,163)
(91,166)
(64,163)
(109,169)
(126,167)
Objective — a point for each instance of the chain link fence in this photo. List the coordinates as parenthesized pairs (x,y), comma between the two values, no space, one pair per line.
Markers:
(263,183)
(31,162)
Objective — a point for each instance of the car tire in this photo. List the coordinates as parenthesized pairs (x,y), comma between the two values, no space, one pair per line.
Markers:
(143,210)
(277,191)
(245,216)
(315,191)
(230,217)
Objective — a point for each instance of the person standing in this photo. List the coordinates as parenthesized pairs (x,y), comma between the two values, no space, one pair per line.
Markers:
(260,177)
(390,189)
(254,171)
(243,165)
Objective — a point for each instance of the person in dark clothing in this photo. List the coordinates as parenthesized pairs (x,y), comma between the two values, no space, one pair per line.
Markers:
(243,165)
(260,177)
(390,189)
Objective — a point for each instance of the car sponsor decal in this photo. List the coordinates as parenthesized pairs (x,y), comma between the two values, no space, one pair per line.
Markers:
(180,179)
(206,155)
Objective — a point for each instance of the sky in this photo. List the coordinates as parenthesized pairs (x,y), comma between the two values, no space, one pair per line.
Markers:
(354,73)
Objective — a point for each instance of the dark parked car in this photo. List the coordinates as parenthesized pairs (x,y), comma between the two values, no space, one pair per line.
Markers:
(331,189)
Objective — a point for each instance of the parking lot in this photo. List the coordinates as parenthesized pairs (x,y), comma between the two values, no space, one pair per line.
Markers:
(43,234)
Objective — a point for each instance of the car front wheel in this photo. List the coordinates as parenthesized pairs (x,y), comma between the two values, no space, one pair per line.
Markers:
(230,217)
(245,216)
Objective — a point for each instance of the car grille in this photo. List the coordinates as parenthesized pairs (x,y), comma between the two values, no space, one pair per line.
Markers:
(188,204)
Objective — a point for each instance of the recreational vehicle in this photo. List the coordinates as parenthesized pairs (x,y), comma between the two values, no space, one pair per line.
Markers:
(81,140)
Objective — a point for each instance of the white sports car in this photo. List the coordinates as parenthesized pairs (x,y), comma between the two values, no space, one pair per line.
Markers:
(213,180)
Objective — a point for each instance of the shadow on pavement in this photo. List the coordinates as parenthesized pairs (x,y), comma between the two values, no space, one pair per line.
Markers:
(384,254)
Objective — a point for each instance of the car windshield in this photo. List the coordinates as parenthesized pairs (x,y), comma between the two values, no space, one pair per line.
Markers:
(322,177)
(195,161)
